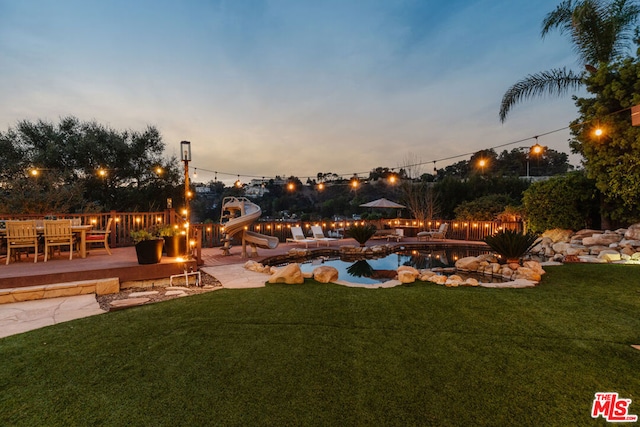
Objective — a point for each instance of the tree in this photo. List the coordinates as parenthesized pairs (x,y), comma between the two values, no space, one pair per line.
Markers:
(417,194)
(567,201)
(68,156)
(612,159)
(486,208)
(600,32)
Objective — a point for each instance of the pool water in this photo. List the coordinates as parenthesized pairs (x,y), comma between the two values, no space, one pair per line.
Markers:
(375,271)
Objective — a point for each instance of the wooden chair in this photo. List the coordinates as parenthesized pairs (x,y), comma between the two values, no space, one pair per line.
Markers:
(101,236)
(22,234)
(58,233)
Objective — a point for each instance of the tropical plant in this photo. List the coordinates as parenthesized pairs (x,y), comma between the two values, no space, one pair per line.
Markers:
(361,233)
(511,244)
(600,31)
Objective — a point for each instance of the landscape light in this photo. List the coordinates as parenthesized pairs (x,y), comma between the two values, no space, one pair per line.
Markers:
(34,172)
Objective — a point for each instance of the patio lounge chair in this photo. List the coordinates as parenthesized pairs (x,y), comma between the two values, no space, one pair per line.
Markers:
(22,234)
(318,235)
(101,236)
(298,237)
(440,233)
(396,233)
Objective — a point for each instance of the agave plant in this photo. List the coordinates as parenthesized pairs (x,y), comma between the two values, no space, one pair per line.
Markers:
(361,233)
(511,245)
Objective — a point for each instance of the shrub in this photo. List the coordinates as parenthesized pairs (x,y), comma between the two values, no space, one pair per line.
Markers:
(361,233)
(510,244)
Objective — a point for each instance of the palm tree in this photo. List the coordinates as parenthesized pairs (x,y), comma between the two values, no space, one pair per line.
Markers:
(600,31)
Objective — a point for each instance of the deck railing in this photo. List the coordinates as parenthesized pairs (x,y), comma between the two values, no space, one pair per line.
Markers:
(458,230)
(209,234)
(123,222)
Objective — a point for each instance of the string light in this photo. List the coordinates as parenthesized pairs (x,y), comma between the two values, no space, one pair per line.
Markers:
(598,132)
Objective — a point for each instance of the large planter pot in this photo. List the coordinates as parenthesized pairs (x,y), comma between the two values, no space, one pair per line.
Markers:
(149,251)
(175,246)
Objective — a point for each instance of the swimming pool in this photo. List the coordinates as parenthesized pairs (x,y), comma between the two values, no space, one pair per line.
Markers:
(378,270)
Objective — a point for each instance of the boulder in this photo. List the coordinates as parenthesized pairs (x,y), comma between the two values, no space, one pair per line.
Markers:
(452,283)
(470,282)
(290,275)
(425,275)
(584,233)
(506,272)
(561,247)
(603,239)
(557,235)
(577,250)
(406,276)
(595,250)
(408,269)
(629,251)
(254,266)
(528,274)
(325,274)
(438,279)
(469,263)
(609,255)
(633,232)
(534,266)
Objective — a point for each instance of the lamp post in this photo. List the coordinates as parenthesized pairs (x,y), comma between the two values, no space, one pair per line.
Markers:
(185,153)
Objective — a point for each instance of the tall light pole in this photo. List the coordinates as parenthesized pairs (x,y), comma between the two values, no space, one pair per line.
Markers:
(185,154)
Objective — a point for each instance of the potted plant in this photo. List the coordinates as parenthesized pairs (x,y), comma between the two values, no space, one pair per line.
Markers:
(175,240)
(511,245)
(361,233)
(148,246)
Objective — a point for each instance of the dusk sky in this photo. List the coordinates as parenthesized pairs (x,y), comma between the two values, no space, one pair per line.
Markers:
(288,87)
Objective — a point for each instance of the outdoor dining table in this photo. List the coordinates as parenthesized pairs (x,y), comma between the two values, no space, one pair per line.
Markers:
(77,229)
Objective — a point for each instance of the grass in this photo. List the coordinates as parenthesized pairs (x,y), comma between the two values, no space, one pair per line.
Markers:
(328,355)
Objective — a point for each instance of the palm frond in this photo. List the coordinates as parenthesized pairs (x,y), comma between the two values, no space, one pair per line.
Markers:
(556,82)
(560,18)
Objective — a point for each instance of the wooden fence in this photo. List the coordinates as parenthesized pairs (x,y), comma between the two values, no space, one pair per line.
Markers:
(209,234)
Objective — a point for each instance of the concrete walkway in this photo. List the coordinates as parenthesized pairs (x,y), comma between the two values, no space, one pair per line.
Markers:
(19,317)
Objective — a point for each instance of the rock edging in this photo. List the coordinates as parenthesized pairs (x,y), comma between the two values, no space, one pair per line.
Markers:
(594,246)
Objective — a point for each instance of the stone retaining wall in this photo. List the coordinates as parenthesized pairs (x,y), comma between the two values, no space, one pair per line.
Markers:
(30,293)
(622,245)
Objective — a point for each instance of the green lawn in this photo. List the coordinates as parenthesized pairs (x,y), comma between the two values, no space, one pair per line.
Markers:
(326,355)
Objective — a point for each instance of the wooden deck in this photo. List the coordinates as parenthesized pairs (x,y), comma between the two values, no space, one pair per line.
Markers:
(97,265)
